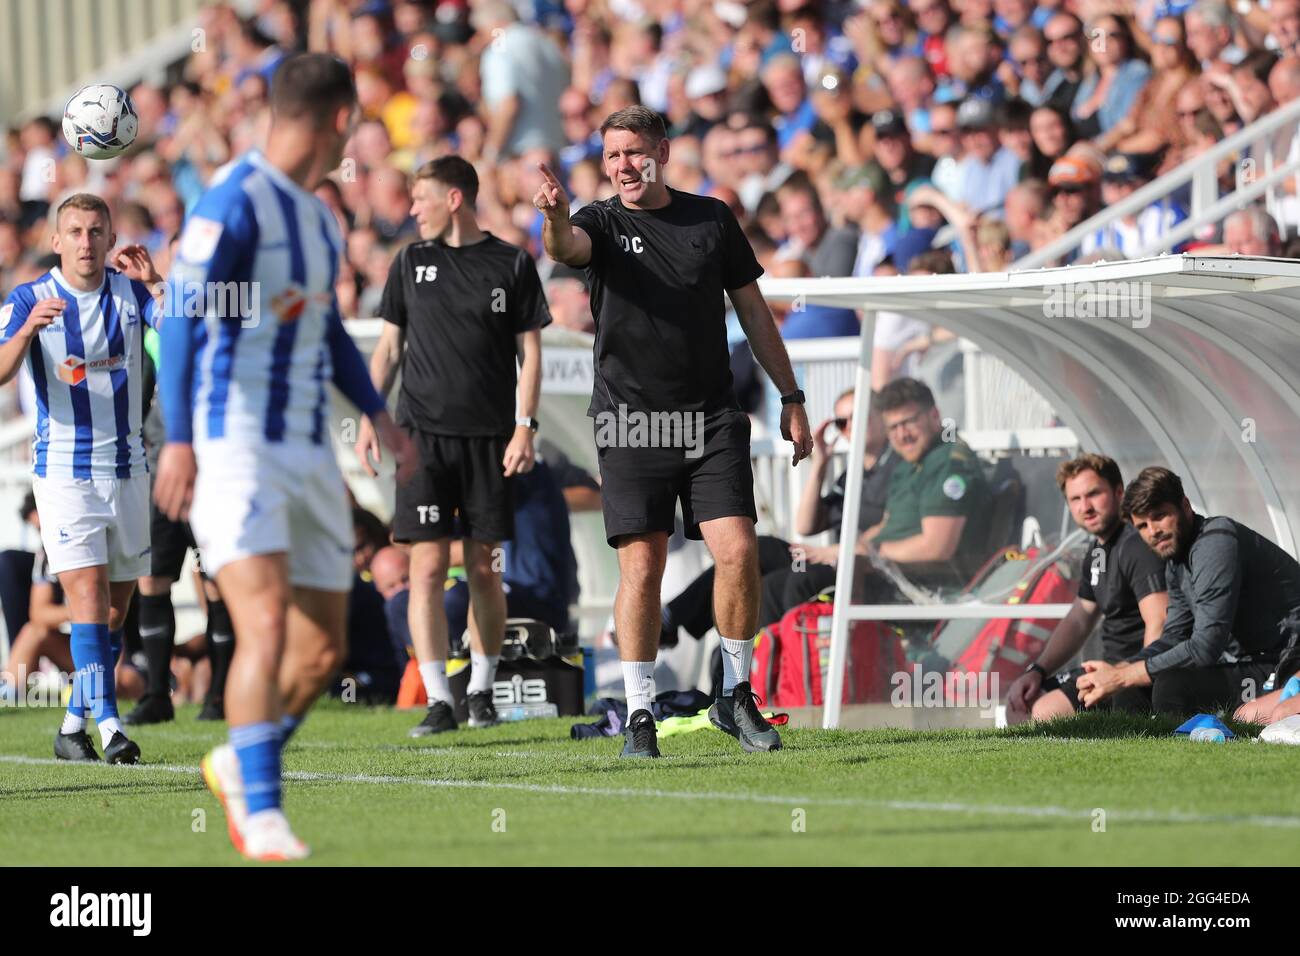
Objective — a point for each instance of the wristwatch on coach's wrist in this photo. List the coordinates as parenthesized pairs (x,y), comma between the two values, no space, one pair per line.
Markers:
(1035,666)
(529,422)
(793,398)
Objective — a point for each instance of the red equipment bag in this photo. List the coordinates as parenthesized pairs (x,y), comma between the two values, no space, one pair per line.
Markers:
(1005,646)
(803,651)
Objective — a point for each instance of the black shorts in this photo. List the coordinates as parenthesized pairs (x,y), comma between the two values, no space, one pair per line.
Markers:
(169,540)
(1135,700)
(640,486)
(459,477)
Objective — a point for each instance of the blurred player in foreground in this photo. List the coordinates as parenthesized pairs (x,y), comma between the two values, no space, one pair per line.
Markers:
(246,405)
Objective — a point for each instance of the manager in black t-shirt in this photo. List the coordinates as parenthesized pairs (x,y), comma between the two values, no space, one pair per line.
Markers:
(667,425)
(459,307)
(1122,583)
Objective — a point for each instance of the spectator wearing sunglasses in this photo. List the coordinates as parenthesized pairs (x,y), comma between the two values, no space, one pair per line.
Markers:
(1030,65)
(1063,35)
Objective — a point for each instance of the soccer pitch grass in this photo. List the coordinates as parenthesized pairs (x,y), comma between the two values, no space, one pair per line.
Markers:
(361,793)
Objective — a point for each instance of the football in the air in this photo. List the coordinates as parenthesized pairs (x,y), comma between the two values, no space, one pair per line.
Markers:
(99,121)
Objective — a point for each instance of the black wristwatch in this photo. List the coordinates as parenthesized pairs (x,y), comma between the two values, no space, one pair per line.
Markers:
(794,398)
(1035,666)
(530,422)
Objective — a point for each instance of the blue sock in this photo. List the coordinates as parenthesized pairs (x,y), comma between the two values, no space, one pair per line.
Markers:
(288,724)
(91,656)
(110,681)
(258,748)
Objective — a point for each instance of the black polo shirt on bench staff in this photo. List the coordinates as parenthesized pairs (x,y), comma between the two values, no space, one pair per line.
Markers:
(461,307)
(1116,575)
(657,279)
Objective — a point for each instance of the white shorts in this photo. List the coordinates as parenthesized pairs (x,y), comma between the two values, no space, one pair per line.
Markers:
(88,522)
(266,499)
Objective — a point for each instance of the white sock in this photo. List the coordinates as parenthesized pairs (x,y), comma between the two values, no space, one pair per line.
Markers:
(639,683)
(736,657)
(72,723)
(436,686)
(107,727)
(483,670)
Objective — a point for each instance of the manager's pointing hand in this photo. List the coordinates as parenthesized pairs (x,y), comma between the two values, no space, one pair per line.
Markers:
(551,198)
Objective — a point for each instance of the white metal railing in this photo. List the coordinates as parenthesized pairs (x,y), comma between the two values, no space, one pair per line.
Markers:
(1260,138)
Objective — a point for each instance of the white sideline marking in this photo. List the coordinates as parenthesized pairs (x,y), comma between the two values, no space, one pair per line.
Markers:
(987,809)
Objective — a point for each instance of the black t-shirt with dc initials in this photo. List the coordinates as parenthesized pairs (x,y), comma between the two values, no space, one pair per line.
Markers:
(461,308)
(657,279)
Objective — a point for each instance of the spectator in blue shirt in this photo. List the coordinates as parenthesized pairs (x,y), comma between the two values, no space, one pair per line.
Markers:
(986,171)
(1107,94)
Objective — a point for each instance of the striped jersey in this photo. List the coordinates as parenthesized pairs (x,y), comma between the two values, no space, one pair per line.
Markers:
(259,333)
(86,366)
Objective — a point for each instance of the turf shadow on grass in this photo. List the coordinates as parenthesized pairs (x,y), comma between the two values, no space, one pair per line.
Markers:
(1106,725)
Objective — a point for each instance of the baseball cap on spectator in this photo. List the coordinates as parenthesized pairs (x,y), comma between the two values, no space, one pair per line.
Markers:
(871,176)
(888,123)
(910,245)
(975,114)
(704,81)
(1071,171)
(1126,168)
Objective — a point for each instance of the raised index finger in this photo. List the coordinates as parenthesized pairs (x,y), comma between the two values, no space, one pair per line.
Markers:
(550,176)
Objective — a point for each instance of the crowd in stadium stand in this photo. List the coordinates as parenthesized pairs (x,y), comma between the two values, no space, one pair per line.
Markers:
(850,137)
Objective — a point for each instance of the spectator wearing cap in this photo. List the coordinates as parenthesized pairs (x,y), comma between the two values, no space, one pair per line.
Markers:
(523,74)
(1210,26)
(1063,34)
(1123,175)
(1072,186)
(1107,95)
(828,251)
(912,86)
(706,93)
(866,192)
(901,165)
(793,110)
(987,171)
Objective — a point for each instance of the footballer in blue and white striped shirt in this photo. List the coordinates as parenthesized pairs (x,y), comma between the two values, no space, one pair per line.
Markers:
(252,337)
(80,330)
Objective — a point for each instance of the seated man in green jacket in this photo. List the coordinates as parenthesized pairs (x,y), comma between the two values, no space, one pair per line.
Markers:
(936,523)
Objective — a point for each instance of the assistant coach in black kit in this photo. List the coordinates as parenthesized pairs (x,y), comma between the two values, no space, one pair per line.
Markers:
(667,425)
(461,308)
